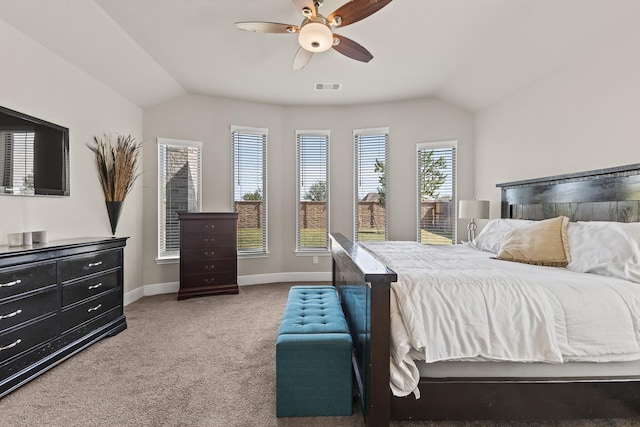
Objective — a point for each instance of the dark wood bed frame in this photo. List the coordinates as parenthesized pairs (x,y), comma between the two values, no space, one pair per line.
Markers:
(364,284)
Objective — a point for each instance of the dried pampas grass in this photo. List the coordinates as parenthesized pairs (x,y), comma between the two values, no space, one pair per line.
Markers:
(117,158)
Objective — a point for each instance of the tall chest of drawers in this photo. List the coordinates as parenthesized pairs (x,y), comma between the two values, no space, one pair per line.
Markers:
(208,254)
(55,300)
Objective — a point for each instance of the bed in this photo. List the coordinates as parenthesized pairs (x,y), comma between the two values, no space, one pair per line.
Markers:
(474,390)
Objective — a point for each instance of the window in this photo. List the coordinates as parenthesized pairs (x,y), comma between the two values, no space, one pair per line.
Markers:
(370,210)
(17,167)
(179,166)
(312,228)
(437,193)
(249,188)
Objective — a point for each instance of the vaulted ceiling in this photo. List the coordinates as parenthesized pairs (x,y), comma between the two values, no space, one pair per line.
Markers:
(468,52)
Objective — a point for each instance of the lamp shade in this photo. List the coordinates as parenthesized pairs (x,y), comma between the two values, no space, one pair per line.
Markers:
(315,37)
(477,209)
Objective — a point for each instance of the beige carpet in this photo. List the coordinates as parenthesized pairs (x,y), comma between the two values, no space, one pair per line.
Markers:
(206,361)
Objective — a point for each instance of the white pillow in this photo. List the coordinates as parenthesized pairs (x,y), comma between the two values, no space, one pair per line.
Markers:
(607,248)
(490,238)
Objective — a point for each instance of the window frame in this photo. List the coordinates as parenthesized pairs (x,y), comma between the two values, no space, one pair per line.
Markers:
(173,256)
(438,145)
(369,132)
(264,132)
(312,250)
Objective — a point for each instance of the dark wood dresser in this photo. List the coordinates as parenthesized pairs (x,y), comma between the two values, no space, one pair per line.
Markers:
(208,254)
(56,299)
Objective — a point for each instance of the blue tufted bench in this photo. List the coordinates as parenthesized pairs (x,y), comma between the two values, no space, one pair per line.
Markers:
(313,355)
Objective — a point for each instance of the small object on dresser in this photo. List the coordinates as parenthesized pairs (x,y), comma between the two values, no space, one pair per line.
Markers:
(27,238)
(40,236)
(15,239)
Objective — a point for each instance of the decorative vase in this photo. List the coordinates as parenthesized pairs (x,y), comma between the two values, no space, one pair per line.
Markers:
(113,209)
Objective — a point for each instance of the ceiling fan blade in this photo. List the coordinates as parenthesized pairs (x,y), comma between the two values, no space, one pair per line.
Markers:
(354,11)
(301,5)
(267,27)
(301,59)
(352,49)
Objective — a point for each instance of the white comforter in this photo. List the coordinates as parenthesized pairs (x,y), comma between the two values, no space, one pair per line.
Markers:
(456,303)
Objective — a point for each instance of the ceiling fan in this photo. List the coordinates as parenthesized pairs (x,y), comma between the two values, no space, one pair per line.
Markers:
(315,33)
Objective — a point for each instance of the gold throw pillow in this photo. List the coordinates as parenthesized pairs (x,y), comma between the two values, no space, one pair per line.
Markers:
(541,243)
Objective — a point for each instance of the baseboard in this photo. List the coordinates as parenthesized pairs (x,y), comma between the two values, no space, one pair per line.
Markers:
(255,279)
(259,279)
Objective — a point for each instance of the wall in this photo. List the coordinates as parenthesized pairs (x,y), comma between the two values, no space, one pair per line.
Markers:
(582,116)
(208,119)
(36,82)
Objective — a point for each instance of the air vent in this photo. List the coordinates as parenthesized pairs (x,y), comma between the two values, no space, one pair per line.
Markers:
(328,86)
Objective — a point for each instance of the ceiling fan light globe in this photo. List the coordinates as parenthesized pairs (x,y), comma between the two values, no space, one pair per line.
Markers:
(315,37)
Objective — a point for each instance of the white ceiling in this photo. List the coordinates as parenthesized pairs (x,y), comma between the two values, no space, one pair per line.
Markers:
(469,52)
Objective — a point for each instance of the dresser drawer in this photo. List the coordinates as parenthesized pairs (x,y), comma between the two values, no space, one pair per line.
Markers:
(21,310)
(17,280)
(83,265)
(22,339)
(208,240)
(94,307)
(212,279)
(205,267)
(86,288)
(206,254)
(220,226)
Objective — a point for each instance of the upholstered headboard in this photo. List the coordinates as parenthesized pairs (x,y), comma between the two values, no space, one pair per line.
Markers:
(611,194)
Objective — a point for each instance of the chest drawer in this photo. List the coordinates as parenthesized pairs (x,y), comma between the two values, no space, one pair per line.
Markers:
(80,313)
(214,266)
(207,254)
(212,280)
(22,339)
(219,226)
(82,265)
(21,310)
(17,280)
(87,288)
(208,240)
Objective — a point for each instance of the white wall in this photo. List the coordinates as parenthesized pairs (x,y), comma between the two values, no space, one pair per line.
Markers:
(208,119)
(582,116)
(36,82)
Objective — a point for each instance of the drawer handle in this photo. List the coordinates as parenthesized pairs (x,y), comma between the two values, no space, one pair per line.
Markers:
(209,253)
(209,280)
(13,344)
(209,267)
(207,239)
(96,286)
(94,264)
(6,285)
(207,226)
(6,316)
(97,307)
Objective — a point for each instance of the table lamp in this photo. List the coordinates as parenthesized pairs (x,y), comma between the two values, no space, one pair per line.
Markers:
(473,209)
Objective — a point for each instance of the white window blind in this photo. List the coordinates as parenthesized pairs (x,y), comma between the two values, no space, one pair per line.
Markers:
(179,178)
(370,213)
(249,188)
(18,165)
(312,230)
(437,193)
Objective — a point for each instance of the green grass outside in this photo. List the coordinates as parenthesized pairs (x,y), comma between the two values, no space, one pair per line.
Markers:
(250,238)
(370,235)
(433,238)
(313,237)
